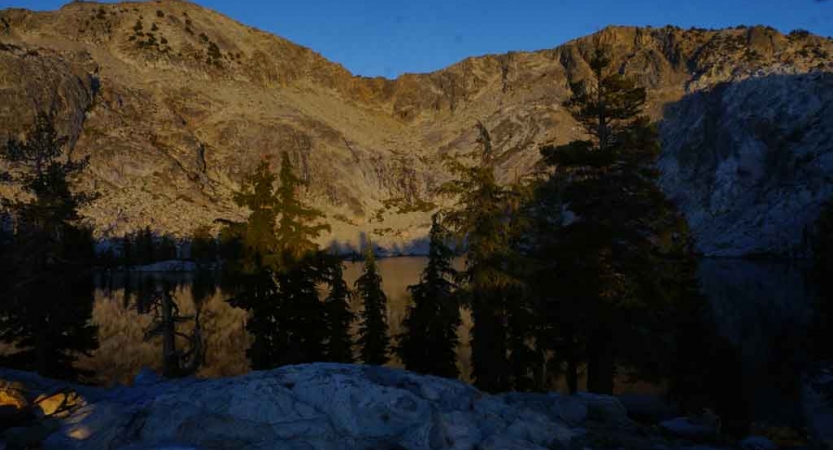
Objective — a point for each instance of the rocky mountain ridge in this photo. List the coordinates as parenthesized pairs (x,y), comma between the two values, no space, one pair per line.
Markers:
(174,102)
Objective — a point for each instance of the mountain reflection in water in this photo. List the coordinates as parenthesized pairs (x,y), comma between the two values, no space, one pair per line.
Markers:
(762,308)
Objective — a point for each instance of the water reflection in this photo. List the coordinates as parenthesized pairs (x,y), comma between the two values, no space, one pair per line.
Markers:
(122,302)
(760,309)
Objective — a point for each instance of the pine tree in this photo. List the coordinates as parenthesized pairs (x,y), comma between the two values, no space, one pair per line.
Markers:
(127,252)
(298,226)
(606,265)
(279,270)
(339,347)
(482,220)
(373,328)
(167,249)
(428,343)
(204,247)
(248,273)
(301,268)
(301,315)
(47,303)
(145,247)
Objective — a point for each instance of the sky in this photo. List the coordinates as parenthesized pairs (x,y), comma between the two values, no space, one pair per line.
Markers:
(391,37)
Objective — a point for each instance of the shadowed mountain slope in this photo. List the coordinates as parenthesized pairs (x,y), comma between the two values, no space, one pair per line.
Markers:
(174,102)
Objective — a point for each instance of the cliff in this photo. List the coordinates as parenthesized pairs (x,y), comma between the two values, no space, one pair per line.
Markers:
(174,102)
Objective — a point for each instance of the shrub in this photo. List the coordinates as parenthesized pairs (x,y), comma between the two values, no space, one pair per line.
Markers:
(159,13)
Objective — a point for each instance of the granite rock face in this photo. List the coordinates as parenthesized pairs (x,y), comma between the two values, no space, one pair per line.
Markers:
(174,102)
(749,162)
(334,406)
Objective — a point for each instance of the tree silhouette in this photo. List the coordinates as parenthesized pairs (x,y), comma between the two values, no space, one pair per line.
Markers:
(481,218)
(298,226)
(278,269)
(248,269)
(608,261)
(373,328)
(48,297)
(428,343)
(204,247)
(339,346)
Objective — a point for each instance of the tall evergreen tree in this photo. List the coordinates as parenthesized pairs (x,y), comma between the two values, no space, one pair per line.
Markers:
(299,224)
(482,219)
(373,328)
(607,260)
(47,303)
(428,343)
(279,269)
(339,346)
(249,273)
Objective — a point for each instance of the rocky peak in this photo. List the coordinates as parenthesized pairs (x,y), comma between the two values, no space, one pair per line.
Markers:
(174,102)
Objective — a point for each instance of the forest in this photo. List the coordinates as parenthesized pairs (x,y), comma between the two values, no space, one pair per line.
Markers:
(583,267)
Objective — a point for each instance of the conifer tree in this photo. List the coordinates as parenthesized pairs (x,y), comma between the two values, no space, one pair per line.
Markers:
(605,261)
(482,220)
(167,249)
(127,251)
(47,303)
(300,269)
(204,247)
(373,328)
(428,343)
(339,346)
(249,274)
(281,267)
(145,248)
(299,225)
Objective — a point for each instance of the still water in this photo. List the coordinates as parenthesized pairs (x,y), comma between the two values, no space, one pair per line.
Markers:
(763,308)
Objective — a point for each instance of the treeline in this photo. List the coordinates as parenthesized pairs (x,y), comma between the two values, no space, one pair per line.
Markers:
(584,267)
(139,248)
(575,269)
(144,247)
(582,270)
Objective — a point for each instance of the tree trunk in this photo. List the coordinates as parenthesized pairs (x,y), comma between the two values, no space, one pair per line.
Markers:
(169,356)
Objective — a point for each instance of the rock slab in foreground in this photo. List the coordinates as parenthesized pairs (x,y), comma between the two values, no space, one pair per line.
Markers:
(334,406)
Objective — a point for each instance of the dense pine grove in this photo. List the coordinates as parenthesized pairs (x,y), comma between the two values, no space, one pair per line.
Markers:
(581,271)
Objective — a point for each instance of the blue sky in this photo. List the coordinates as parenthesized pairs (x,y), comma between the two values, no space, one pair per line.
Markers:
(390,37)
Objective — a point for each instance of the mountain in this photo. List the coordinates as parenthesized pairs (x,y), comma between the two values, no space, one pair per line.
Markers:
(174,103)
